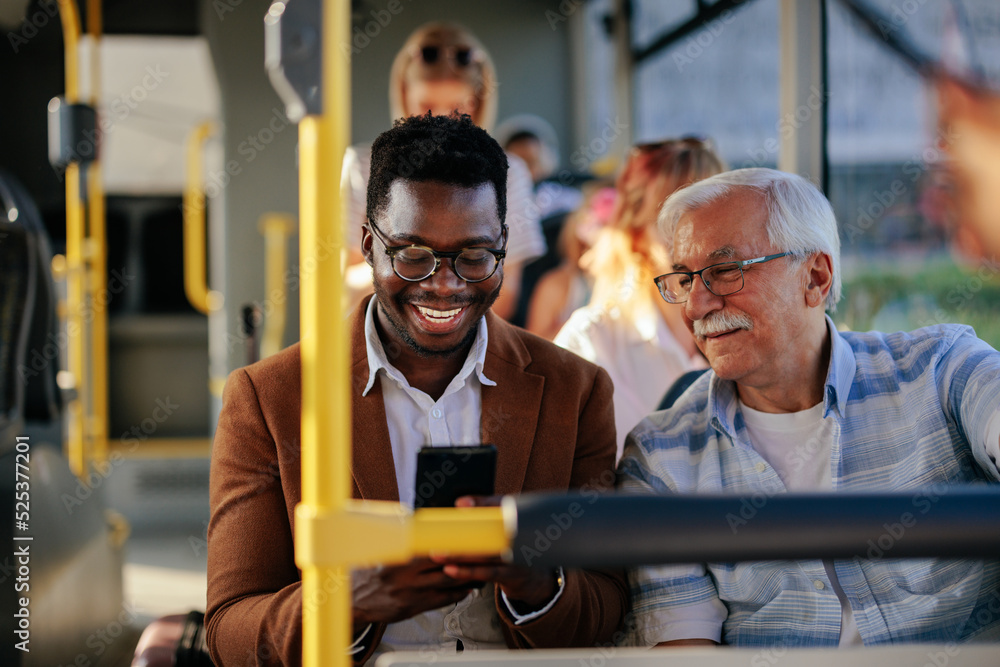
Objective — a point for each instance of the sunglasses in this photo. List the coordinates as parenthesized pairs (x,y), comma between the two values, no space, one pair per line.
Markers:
(460,56)
(688,141)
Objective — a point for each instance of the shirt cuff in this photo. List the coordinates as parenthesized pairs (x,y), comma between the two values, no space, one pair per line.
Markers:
(521,619)
(358,645)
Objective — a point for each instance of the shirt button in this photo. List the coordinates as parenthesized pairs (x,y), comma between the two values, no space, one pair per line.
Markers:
(436,413)
(761,467)
(819,585)
(453,624)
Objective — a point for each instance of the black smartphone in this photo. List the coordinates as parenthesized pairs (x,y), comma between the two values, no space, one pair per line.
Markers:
(445,474)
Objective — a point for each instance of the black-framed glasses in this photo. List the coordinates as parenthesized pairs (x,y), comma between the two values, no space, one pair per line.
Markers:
(414,263)
(720,279)
(460,56)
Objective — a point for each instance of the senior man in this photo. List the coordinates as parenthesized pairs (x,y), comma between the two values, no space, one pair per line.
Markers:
(792,404)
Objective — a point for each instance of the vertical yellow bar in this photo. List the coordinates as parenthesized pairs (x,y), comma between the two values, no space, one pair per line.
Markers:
(326,413)
(99,260)
(195,251)
(276,228)
(75,264)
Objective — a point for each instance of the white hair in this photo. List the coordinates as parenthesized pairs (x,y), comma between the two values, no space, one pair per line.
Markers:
(800,219)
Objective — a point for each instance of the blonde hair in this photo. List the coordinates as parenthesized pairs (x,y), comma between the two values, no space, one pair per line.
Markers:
(622,260)
(480,75)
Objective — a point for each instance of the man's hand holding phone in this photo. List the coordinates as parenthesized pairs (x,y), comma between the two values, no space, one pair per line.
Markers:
(398,592)
(527,588)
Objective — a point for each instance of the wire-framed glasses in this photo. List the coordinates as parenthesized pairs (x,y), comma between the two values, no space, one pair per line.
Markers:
(720,279)
(414,263)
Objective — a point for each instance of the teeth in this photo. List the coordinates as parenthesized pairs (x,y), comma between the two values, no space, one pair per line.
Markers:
(438,314)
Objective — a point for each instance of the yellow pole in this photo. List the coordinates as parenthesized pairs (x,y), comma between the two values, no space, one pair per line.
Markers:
(75,265)
(276,228)
(326,408)
(99,259)
(195,280)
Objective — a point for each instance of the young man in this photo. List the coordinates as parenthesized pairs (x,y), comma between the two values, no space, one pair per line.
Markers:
(431,366)
(792,404)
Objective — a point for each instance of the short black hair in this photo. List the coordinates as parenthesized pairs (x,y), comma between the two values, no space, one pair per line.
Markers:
(445,149)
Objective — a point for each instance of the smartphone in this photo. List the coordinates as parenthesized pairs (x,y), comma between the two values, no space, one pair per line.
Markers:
(445,474)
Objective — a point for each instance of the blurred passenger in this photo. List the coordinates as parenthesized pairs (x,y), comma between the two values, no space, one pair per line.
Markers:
(626,328)
(970,124)
(534,140)
(441,68)
(567,287)
(793,404)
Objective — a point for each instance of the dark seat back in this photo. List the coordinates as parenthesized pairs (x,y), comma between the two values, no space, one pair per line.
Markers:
(30,347)
(679,386)
(15,288)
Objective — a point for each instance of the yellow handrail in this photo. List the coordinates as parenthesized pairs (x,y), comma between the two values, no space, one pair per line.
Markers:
(195,280)
(98,259)
(75,265)
(333,532)
(326,403)
(276,227)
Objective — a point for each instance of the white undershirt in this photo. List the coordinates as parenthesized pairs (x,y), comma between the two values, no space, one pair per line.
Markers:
(798,446)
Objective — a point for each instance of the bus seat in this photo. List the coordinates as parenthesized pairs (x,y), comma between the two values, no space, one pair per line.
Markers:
(14,296)
(177,640)
(679,386)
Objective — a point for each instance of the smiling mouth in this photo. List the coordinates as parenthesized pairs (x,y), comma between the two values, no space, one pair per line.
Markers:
(439,316)
(719,334)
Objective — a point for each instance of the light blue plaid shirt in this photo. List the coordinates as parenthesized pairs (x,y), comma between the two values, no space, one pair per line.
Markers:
(912,410)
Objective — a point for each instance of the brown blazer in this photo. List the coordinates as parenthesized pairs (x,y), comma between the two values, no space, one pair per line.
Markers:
(550,416)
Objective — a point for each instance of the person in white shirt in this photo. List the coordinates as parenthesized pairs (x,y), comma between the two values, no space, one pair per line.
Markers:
(626,328)
(441,68)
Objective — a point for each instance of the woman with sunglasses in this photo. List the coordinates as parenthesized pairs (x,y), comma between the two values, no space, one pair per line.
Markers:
(441,68)
(626,327)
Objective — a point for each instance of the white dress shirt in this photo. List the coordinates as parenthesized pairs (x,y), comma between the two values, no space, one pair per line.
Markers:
(416,420)
(642,357)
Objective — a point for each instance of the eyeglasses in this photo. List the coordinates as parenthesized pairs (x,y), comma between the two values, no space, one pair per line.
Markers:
(720,279)
(414,263)
(460,56)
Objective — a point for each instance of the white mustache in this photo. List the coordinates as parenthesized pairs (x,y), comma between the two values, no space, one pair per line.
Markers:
(720,321)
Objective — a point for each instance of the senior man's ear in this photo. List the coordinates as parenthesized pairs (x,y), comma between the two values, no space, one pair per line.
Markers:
(820,267)
(367,240)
